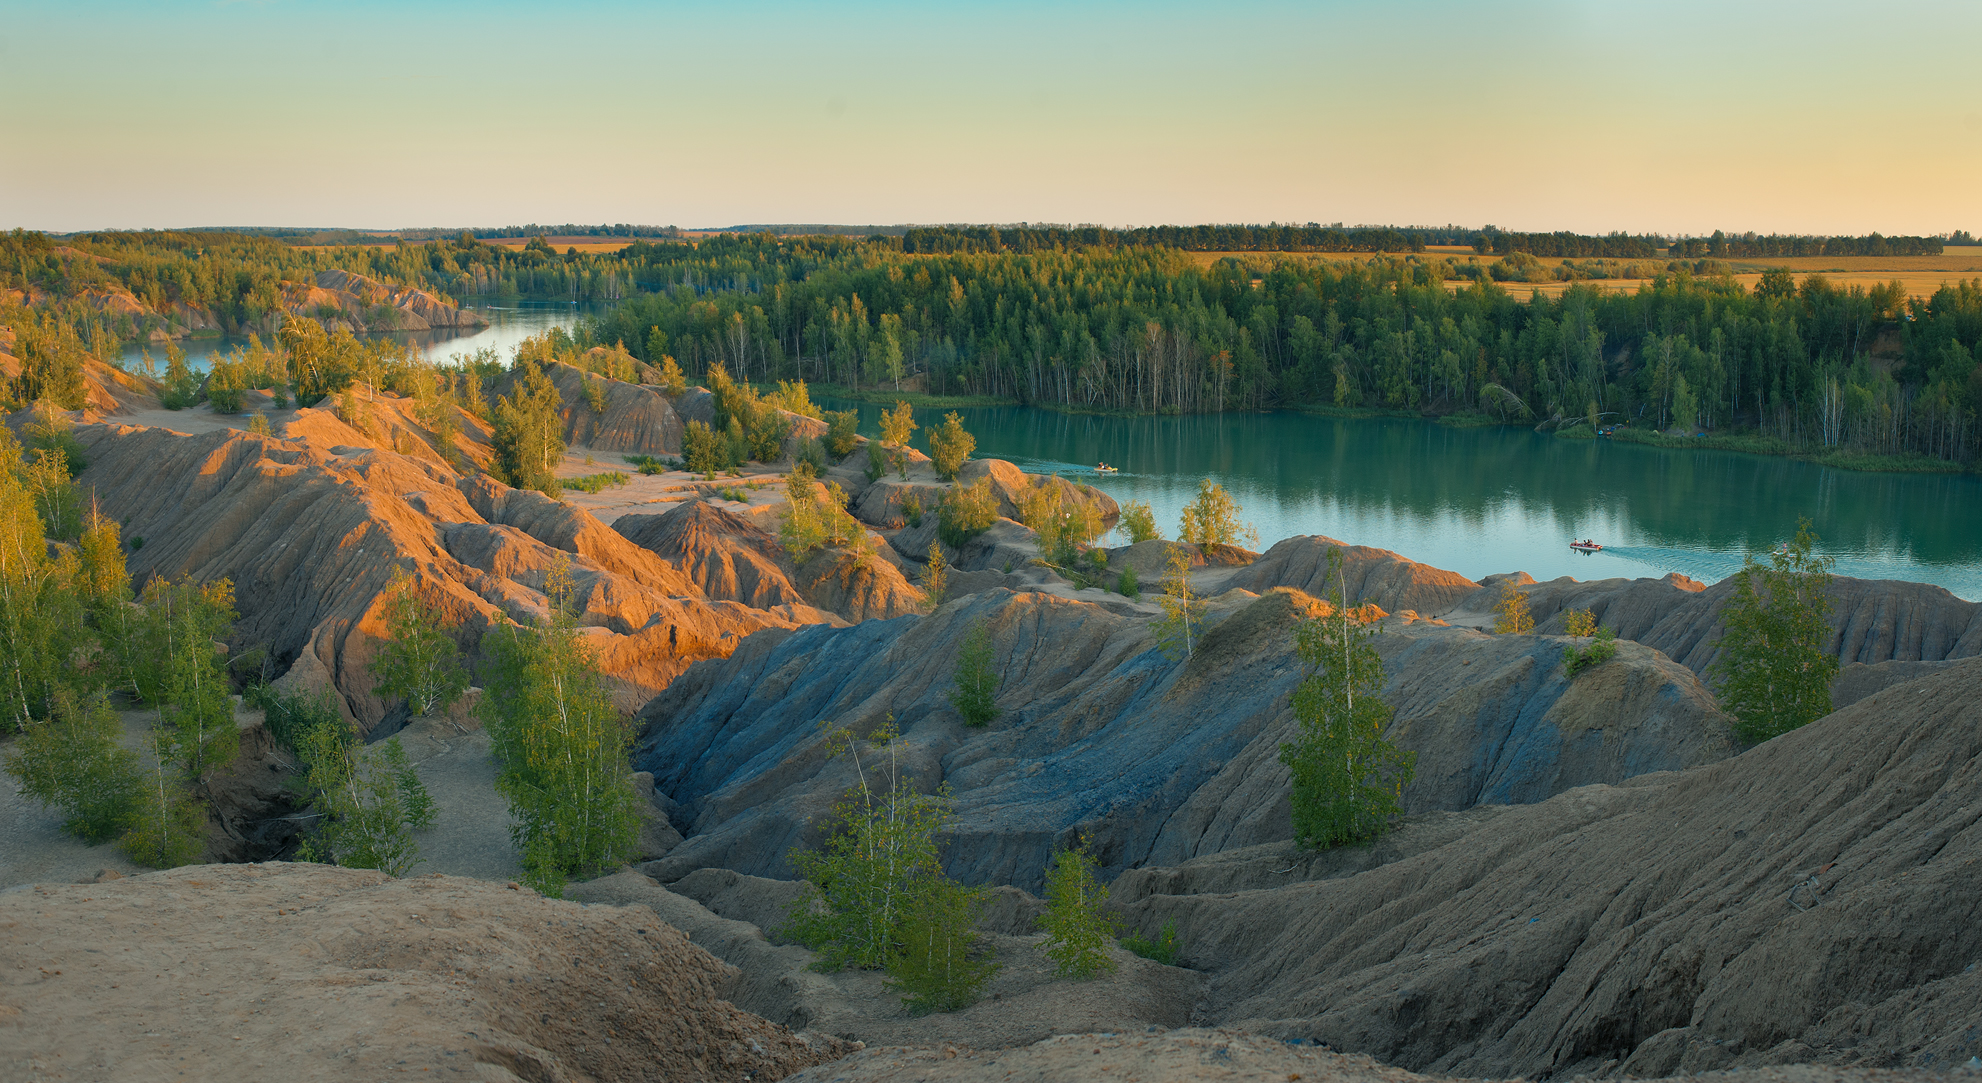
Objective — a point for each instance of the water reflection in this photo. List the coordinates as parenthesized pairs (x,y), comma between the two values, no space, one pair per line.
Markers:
(508,325)
(1479,501)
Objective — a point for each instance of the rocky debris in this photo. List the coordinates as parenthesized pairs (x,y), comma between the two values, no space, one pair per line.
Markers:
(1023,1003)
(1154,760)
(1808,900)
(309,972)
(310,536)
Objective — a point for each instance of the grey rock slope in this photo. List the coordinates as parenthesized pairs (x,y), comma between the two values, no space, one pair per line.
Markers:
(1154,760)
(1872,620)
(1811,899)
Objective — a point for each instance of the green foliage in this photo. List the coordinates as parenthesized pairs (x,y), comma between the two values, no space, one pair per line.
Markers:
(1127,586)
(289,715)
(52,357)
(1064,519)
(1183,610)
(897,424)
(1775,672)
(596,483)
(57,500)
(792,396)
(950,446)
(1139,522)
(649,465)
(1347,778)
(841,434)
(177,652)
(561,746)
(1601,649)
(877,877)
(936,576)
(935,964)
(258,424)
(1578,622)
(804,527)
(1077,932)
(419,660)
(1161,948)
(965,512)
(1213,519)
(529,432)
(754,427)
(976,693)
(595,396)
(673,383)
(1514,618)
(877,460)
(369,798)
(51,430)
(812,452)
(168,826)
(76,761)
(702,451)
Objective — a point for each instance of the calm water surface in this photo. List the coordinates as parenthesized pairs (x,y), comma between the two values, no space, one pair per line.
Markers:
(1479,501)
(508,325)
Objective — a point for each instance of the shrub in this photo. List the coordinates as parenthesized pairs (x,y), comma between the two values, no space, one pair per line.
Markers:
(702,450)
(1139,522)
(258,424)
(897,424)
(1600,650)
(76,762)
(1514,617)
(1183,610)
(793,397)
(1162,948)
(370,798)
(1775,674)
(877,461)
(965,512)
(1127,586)
(1077,932)
(1213,519)
(879,860)
(595,395)
(841,435)
(950,446)
(812,453)
(419,661)
(596,483)
(561,746)
(933,964)
(673,383)
(936,577)
(804,528)
(1346,777)
(51,430)
(1578,622)
(976,693)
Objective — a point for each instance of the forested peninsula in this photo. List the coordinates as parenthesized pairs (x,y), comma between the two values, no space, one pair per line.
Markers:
(1142,321)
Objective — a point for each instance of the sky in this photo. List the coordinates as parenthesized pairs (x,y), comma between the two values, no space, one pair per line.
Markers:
(1676,117)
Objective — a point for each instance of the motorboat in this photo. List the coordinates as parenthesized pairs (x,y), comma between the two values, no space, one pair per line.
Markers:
(1586,546)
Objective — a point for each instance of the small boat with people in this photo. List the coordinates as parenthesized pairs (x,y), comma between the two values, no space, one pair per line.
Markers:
(1585,545)
(1104,468)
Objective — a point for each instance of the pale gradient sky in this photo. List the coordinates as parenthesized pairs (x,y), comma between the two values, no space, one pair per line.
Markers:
(1674,116)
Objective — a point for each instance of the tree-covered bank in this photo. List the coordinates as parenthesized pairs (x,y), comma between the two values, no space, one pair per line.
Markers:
(1149,329)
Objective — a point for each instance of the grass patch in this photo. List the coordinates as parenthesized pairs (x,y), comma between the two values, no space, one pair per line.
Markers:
(647,464)
(595,483)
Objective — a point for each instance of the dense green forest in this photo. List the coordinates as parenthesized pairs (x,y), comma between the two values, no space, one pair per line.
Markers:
(1145,328)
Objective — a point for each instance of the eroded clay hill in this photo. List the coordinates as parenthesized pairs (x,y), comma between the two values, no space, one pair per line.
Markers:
(311,535)
(1811,899)
(308,972)
(1154,760)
